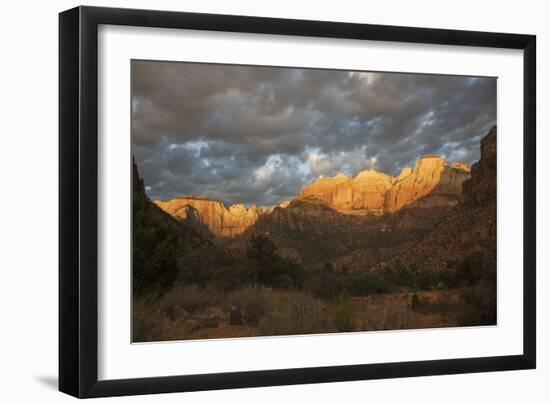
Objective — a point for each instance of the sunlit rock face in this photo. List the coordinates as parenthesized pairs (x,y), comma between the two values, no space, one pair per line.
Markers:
(375,193)
(470,227)
(211,216)
(430,183)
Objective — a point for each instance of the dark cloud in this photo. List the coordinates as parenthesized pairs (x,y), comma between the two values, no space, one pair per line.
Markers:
(244,134)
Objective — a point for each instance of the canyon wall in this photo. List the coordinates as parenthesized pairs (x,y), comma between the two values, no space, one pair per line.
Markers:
(469,228)
(211,218)
(430,183)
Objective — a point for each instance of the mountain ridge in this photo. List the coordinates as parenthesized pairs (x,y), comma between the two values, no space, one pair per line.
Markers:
(470,227)
(430,183)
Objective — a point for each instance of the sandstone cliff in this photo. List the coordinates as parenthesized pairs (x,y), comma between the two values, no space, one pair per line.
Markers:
(211,218)
(430,183)
(470,227)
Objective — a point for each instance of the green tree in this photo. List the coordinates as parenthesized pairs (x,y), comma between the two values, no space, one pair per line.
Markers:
(158,243)
(328,267)
(415,302)
(470,270)
(261,248)
(271,269)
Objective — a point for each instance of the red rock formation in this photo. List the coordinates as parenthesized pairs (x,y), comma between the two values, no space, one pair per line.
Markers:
(482,187)
(431,183)
(214,216)
(469,227)
(375,193)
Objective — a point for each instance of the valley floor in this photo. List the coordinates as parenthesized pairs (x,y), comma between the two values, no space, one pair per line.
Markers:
(258,311)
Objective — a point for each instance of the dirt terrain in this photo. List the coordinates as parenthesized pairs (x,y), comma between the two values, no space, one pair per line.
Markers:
(368,313)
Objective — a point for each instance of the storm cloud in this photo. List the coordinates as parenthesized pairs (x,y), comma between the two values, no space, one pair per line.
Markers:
(248,134)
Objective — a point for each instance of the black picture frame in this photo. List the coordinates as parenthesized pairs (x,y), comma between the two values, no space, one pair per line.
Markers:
(78,201)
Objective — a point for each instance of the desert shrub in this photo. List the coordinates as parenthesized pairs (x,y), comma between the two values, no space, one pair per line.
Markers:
(415,302)
(324,284)
(146,319)
(270,268)
(470,270)
(328,267)
(187,297)
(422,279)
(292,273)
(253,312)
(366,283)
(265,311)
(156,244)
(388,318)
(241,296)
(448,278)
(283,281)
(158,241)
(344,314)
(214,267)
(261,248)
(330,284)
(291,312)
(202,265)
(229,278)
(251,300)
(478,296)
(443,305)
(477,306)
(401,277)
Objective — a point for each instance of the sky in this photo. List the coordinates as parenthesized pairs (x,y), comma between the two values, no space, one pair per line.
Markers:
(257,135)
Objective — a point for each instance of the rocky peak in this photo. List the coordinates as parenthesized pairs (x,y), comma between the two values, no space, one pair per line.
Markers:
(284,204)
(371,173)
(460,166)
(430,159)
(428,168)
(482,186)
(240,209)
(138,185)
(428,184)
(220,220)
(341,176)
(372,192)
(470,227)
(405,172)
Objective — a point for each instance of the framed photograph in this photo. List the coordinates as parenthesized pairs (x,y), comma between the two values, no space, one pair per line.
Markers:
(250,201)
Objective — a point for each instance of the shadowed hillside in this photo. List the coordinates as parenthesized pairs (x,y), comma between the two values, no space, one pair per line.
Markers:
(159,243)
(314,233)
(470,227)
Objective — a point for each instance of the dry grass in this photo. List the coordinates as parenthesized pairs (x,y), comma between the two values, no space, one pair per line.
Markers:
(345,314)
(394,312)
(388,318)
(251,301)
(146,322)
(191,312)
(187,298)
(288,313)
(194,313)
